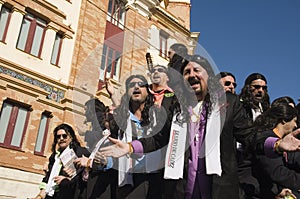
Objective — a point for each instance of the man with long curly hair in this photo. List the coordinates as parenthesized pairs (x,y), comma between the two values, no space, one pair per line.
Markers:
(255,99)
(57,183)
(133,119)
(254,95)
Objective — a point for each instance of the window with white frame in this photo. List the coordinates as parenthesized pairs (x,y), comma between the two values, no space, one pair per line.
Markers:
(110,63)
(5,15)
(32,35)
(13,123)
(56,49)
(42,133)
(163,43)
(116,13)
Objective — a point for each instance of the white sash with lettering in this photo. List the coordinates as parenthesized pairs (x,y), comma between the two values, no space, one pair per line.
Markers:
(174,161)
(212,142)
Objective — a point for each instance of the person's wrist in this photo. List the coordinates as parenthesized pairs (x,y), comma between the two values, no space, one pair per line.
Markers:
(88,163)
(130,148)
(276,146)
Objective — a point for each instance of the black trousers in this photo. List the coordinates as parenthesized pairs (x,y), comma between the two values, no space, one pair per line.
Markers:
(148,186)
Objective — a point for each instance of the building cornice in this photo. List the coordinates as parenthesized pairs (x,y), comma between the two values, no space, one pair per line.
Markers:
(169,20)
(44,9)
(50,7)
(142,6)
(152,8)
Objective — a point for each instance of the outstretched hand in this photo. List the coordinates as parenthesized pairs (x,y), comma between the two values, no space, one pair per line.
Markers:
(290,142)
(116,150)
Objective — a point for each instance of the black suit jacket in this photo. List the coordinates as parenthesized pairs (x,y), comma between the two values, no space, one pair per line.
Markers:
(237,127)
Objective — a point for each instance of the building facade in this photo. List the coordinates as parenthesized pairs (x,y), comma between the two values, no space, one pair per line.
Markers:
(55,55)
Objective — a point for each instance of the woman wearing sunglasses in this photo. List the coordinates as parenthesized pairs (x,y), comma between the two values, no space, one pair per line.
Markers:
(58,181)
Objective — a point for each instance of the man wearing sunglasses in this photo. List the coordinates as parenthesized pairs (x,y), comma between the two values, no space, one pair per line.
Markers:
(134,119)
(140,97)
(228,81)
(254,95)
(255,99)
(58,182)
(159,87)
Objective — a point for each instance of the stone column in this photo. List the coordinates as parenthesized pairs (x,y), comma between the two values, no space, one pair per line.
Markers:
(48,44)
(14,27)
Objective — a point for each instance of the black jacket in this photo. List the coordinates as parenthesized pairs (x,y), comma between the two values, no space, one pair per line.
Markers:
(66,188)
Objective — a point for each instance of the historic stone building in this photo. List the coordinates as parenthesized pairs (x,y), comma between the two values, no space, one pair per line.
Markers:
(55,55)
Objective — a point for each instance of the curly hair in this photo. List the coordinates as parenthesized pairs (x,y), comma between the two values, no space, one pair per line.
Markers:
(246,93)
(69,130)
(122,112)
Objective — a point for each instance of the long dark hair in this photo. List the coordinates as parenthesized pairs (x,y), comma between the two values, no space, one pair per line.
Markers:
(69,130)
(225,74)
(121,113)
(276,114)
(285,99)
(246,96)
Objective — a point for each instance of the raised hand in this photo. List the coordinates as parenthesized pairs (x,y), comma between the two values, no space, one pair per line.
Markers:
(112,93)
(290,142)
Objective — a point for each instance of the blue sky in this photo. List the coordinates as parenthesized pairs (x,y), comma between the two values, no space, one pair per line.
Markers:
(246,36)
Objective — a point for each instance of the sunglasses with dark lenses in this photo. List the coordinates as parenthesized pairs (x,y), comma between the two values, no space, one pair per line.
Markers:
(227,83)
(61,135)
(161,70)
(259,86)
(140,84)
